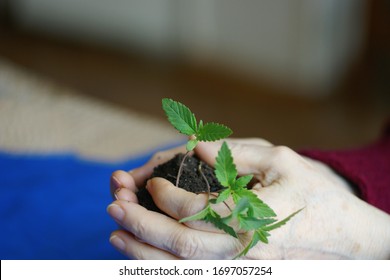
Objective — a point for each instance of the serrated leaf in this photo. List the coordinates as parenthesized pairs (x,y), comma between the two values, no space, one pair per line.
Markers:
(252,243)
(213,132)
(241,205)
(258,235)
(225,169)
(198,216)
(214,218)
(263,235)
(250,223)
(200,125)
(243,181)
(180,116)
(258,208)
(222,196)
(282,222)
(191,144)
(210,216)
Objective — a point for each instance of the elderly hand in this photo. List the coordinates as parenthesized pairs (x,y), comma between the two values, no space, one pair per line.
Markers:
(334,224)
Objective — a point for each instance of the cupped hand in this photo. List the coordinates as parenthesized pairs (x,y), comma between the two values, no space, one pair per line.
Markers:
(334,224)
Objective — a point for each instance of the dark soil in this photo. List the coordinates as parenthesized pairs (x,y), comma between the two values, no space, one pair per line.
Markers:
(191,179)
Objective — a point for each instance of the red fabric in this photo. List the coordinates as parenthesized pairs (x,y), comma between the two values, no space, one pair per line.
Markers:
(368,168)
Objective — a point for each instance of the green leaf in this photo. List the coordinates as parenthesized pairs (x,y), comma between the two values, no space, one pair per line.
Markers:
(258,235)
(262,235)
(250,212)
(282,222)
(210,216)
(222,196)
(213,132)
(242,182)
(214,218)
(213,200)
(225,170)
(191,144)
(198,216)
(180,116)
(241,205)
(200,125)
(250,223)
(257,207)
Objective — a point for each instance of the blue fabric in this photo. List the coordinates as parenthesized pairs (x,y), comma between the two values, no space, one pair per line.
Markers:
(54,207)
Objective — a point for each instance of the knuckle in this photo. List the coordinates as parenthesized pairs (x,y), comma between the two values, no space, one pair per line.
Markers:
(185,209)
(139,230)
(137,252)
(261,142)
(192,206)
(237,148)
(283,153)
(185,246)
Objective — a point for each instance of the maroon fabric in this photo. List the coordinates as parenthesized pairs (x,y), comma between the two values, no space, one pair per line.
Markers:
(368,168)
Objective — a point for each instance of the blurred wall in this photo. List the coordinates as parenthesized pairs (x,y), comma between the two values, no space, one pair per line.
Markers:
(307,44)
(125,24)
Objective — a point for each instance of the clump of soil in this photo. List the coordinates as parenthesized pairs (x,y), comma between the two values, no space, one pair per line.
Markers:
(191,178)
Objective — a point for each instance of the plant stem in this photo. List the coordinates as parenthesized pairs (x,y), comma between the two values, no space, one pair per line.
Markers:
(181,168)
(205,179)
(207,182)
(208,186)
(224,202)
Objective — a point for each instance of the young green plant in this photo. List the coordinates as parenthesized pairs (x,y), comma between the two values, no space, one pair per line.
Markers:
(181,117)
(250,214)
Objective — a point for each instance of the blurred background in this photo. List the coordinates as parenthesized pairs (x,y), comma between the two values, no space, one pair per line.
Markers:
(299,73)
(81,84)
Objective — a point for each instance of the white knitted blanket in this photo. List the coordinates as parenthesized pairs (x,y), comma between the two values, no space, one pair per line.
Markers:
(39,116)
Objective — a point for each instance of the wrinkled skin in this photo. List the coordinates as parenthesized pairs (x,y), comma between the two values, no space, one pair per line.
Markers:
(334,224)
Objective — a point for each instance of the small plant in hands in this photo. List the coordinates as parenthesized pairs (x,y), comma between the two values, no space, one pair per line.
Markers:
(181,117)
(249,213)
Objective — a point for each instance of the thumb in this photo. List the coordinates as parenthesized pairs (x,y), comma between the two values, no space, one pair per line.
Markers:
(179,203)
(250,157)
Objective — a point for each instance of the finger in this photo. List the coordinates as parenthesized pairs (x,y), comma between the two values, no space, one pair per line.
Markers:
(269,164)
(127,244)
(174,201)
(152,227)
(248,158)
(250,141)
(179,203)
(121,179)
(143,173)
(126,195)
(167,234)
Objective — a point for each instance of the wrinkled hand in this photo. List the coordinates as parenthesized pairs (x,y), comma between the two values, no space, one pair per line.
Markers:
(334,224)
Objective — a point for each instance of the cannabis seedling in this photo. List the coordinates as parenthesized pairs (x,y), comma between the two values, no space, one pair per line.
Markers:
(250,213)
(181,117)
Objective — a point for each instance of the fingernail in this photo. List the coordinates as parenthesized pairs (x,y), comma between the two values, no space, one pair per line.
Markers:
(118,242)
(148,183)
(116,212)
(115,183)
(122,194)
(117,195)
